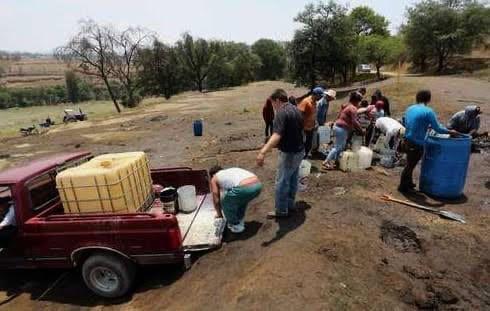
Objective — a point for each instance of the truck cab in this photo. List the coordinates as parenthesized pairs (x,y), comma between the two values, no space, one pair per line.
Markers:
(108,247)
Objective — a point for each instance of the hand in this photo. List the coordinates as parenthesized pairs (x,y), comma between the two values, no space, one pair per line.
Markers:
(454,133)
(260,159)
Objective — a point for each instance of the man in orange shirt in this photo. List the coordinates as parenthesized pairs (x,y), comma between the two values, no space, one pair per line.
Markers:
(308,107)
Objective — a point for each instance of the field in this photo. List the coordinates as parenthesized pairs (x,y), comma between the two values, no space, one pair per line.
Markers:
(344,249)
(33,73)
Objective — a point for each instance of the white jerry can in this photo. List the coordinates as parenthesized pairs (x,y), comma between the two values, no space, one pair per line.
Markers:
(304,172)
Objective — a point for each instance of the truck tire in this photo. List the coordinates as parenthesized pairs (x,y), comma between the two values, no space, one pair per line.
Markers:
(108,275)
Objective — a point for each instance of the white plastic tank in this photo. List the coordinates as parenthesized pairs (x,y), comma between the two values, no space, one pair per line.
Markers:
(365,158)
(187,199)
(304,172)
(349,161)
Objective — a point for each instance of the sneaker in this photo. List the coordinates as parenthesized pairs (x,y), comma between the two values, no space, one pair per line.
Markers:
(238,228)
(277,215)
(407,190)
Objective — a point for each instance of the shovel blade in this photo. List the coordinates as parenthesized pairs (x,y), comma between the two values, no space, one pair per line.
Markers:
(453,216)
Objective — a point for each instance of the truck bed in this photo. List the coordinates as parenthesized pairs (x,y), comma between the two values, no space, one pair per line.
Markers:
(200,229)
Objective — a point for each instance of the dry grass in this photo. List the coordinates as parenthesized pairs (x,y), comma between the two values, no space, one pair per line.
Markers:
(33,73)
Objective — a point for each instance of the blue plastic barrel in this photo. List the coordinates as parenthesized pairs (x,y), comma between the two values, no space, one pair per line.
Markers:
(444,166)
(198,127)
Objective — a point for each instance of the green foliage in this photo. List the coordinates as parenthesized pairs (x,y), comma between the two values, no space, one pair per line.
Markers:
(380,50)
(235,65)
(160,72)
(325,45)
(272,57)
(367,22)
(437,30)
(198,57)
(42,96)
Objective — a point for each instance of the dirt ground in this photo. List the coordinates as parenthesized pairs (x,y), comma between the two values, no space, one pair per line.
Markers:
(344,249)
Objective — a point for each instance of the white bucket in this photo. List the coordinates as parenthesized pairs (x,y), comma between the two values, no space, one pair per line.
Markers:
(187,199)
(304,172)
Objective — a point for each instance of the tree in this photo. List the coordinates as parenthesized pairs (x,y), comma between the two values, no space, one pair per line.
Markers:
(160,72)
(272,57)
(366,22)
(92,49)
(381,50)
(198,57)
(126,46)
(72,89)
(235,65)
(437,30)
(324,47)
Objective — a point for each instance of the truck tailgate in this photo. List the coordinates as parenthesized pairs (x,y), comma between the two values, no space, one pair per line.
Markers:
(200,229)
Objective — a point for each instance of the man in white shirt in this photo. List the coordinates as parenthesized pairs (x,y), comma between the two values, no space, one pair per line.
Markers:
(232,190)
(393,130)
(8,225)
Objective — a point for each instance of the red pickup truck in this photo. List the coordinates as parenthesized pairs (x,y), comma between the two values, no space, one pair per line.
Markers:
(107,247)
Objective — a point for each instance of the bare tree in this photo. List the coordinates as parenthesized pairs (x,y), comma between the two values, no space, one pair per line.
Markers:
(92,49)
(127,46)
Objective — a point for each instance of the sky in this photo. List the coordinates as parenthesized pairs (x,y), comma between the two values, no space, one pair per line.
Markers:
(42,25)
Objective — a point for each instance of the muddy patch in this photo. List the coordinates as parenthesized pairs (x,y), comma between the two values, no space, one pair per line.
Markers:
(401,238)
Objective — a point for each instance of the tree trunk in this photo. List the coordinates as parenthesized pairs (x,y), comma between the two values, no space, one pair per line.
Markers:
(378,72)
(440,63)
(199,86)
(109,89)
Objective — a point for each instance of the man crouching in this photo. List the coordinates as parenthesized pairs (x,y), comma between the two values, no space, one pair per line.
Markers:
(232,190)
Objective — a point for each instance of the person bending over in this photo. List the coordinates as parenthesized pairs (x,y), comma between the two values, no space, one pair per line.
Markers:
(233,189)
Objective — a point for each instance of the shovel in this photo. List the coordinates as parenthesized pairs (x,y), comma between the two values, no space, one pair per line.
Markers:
(444,214)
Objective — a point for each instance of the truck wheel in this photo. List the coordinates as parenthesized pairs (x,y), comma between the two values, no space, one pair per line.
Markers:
(108,275)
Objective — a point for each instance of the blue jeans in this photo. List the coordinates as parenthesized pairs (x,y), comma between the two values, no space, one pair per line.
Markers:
(341,135)
(287,180)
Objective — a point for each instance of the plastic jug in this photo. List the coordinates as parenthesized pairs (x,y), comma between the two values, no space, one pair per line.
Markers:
(187,198)
(349,161)
(365,158)
(304,172)
(356,143)
(324,135)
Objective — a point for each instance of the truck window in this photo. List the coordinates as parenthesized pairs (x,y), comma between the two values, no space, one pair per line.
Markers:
(42,191)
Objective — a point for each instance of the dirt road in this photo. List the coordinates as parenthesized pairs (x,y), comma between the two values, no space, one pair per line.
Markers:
(343,249)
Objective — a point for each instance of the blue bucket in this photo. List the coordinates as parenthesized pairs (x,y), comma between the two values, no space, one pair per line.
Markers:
(198,127)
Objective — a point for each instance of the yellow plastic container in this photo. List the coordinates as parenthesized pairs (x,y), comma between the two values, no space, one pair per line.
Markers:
(110,183)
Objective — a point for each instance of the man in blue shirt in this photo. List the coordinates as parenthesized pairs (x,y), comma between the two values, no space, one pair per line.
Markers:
(323,105)
(418,119)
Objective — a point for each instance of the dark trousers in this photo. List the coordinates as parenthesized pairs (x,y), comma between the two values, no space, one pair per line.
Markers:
(268,128)
(6,235)
(308,141)
(370,131)
(414,154)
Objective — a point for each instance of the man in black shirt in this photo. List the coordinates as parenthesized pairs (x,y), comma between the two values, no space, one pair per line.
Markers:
(288,137)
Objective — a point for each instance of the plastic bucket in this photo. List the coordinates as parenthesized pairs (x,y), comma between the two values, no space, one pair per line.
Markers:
(198,127)
(168,196)
(187,199)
